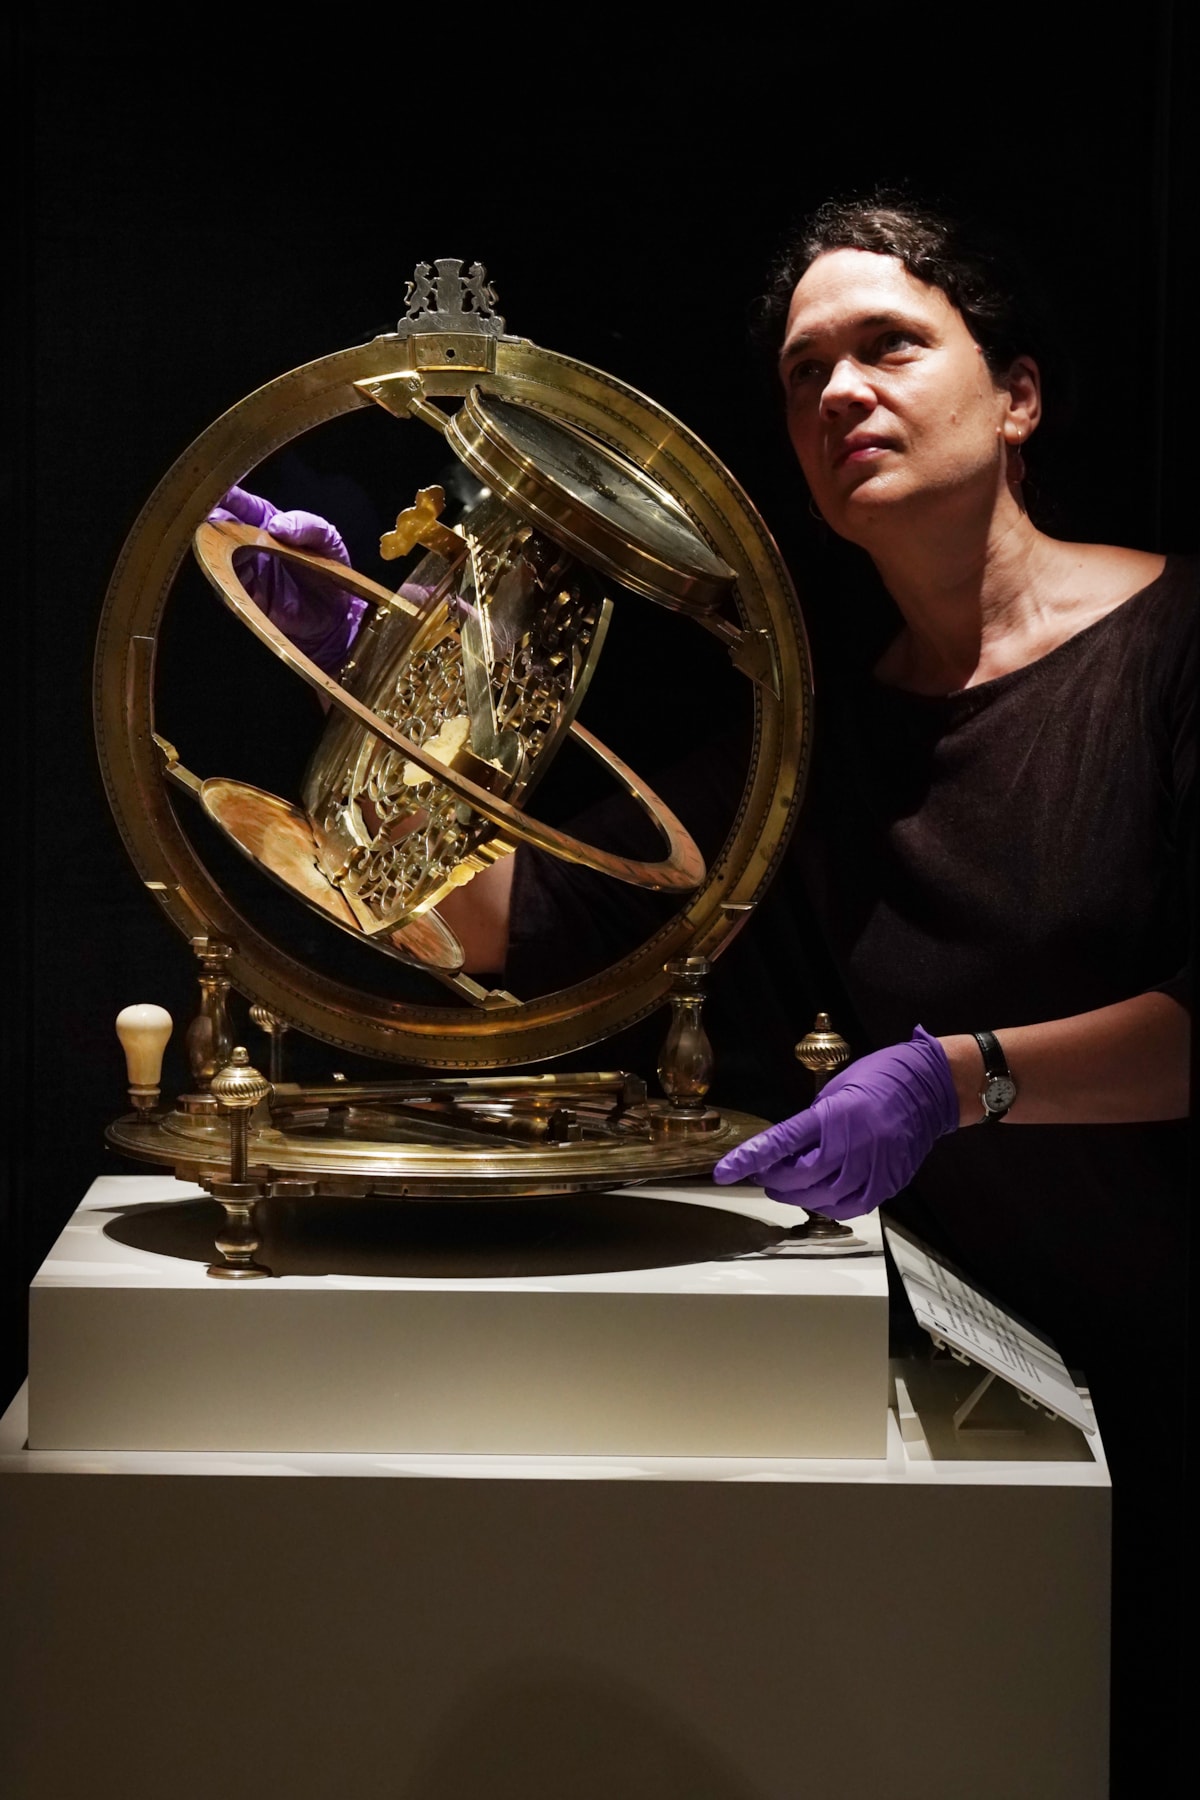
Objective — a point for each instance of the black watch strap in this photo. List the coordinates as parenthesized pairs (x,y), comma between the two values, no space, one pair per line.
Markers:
(999,1090)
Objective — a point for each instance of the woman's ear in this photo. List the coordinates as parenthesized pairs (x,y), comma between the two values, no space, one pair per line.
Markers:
(1023,385)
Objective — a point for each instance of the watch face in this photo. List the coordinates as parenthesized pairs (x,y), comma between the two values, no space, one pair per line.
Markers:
(999,1093)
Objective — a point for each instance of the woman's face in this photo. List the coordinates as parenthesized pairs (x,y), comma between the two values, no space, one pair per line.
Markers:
(890,402)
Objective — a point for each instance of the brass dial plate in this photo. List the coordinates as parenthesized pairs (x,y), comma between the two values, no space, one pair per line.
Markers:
(589,500)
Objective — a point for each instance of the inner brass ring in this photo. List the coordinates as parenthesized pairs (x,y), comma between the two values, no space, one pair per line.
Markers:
(683,867)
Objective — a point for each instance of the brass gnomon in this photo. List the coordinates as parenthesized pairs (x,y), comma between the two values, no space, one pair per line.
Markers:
(458,694)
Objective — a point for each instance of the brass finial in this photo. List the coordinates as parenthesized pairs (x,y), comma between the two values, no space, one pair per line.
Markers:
(238,1086)
(823,1050)
(237,1089)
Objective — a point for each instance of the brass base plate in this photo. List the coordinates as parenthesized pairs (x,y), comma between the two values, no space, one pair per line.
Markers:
(351,1164)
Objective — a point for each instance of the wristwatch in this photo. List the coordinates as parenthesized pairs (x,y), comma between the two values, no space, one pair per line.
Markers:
(999,1090)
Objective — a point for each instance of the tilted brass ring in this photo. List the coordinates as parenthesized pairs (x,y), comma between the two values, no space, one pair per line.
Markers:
(681,871)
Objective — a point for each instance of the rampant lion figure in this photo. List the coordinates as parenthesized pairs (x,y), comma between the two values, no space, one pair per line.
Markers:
(477,288)
(420,295)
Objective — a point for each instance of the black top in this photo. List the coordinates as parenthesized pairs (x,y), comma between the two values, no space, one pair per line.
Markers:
(1013,853)
(1008,854)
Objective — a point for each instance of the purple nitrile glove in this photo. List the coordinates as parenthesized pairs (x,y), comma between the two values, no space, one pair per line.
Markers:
(320,619)
(863,1138)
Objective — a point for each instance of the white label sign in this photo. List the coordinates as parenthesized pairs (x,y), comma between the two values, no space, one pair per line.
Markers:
(962,1318)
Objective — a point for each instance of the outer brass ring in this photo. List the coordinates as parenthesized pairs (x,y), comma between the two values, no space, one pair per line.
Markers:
(637,429)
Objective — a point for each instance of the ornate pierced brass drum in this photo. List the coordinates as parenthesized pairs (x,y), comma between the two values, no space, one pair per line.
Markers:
(464,688)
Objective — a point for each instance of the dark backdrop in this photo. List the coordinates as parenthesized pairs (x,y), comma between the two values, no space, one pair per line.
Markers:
(190,219)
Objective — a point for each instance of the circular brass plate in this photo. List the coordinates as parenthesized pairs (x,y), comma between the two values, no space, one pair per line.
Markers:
(278,839)
(351,1167)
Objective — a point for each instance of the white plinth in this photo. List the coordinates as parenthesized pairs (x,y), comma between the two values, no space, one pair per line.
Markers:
(130,1349)
(453,1628)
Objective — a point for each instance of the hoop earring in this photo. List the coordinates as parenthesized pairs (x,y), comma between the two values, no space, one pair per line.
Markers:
(814,512)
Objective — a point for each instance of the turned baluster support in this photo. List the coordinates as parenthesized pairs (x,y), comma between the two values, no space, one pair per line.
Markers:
(685,1062)
(237,1089)
(210,1034)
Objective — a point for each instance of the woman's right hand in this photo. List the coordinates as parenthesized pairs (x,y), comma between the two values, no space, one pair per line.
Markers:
(320,619)
(863,1138)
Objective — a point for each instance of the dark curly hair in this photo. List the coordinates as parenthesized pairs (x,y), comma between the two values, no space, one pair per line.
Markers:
(979,273)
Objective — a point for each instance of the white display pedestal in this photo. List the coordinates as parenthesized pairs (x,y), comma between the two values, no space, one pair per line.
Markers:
(489,1628)
(926,1621)
(132,1349)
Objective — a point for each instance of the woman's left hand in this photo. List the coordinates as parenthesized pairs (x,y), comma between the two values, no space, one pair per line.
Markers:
(863,1138)
(320,619)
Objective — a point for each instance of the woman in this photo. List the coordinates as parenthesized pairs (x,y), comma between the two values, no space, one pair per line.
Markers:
(998,845)
(909,403)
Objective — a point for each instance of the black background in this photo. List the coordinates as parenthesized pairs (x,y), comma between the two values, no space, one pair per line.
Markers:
(188,217)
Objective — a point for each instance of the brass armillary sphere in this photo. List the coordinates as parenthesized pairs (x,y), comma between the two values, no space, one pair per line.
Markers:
(459,693)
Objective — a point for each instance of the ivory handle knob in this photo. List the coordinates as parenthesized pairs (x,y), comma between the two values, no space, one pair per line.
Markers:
(143,1031)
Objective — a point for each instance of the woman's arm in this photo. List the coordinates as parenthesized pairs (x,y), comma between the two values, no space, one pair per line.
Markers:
(871,1127)
(1116,1066)
(479,914)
